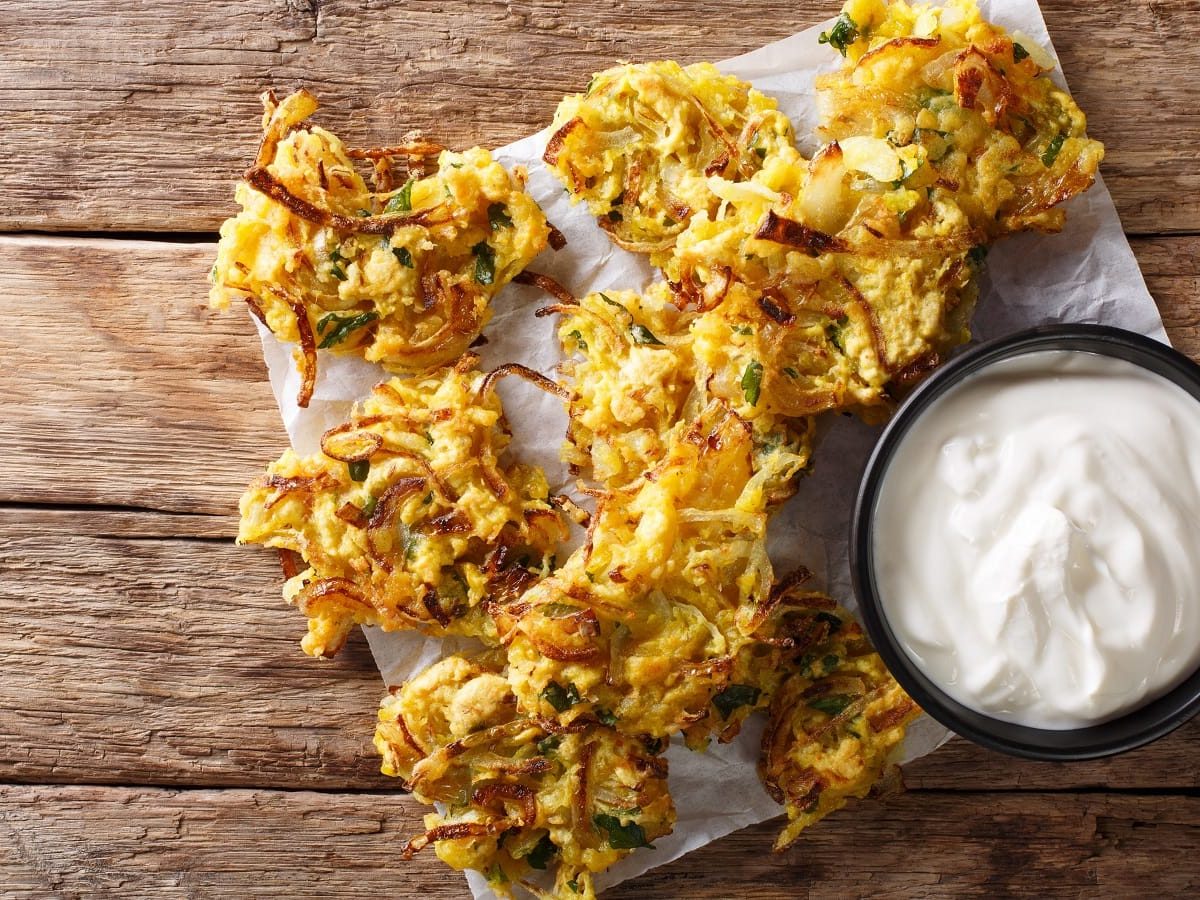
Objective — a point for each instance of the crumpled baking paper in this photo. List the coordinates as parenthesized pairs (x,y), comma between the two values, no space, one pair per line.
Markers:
(1086,274)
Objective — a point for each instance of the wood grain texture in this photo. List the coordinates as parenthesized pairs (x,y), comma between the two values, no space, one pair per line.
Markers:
(121,388)
(144,648)
(90,841)
(139,115)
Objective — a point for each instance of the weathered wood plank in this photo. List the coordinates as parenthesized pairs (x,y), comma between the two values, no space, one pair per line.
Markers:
(132,656)
(121,388)
(84,841)
(139,116)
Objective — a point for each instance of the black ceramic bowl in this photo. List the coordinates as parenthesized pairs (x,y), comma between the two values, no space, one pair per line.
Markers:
(1133,729)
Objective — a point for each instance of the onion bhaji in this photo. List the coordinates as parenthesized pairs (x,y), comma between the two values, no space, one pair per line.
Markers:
(643,143)
(791,287)
(402,275)
(407,518)
(519,793)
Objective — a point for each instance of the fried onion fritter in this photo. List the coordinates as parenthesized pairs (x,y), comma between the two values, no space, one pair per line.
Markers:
(974,108)
(407,518)
(519,792)
(636,376)
(643,143)
(403,276)
(643,624)
(834,721)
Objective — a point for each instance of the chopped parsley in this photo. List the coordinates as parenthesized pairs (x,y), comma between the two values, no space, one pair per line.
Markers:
(1019,52)
(559,697)
(485,263)
(1051,152)
(843,33)
(579,341)
(620,836)
(498,216)
(359,469)
(734,696)
(752,381)
(404,256)
(543,850)
(606,717)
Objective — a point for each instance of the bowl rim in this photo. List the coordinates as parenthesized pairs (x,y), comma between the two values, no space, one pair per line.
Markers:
(1133,729)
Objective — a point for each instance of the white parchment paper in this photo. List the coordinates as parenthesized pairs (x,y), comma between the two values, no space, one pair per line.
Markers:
(1086,274)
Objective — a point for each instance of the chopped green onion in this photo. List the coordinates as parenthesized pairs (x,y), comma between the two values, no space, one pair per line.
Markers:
(539,857)
(620,836)
(1019,52)
(403,255)
(1051,152)
(359,469)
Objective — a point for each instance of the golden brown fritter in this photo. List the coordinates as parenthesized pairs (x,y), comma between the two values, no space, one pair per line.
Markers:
(643,143)
(519,792)
(961,111)
(836,719)
(407,518)
(402,276)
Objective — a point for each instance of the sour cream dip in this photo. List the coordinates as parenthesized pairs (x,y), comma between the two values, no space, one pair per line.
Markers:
(1037,539)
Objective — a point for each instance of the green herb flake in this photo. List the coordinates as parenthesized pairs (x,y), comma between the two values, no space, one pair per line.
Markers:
(337,272)
(403,255)
(620,836)
(335,255)
(579,341)
(401,202)
(334,328)
(559,697)
(498,216)
(830,661)
(573,884)
(1019,52)
(734,696)
(359,469)
(539,857)
(752,382)
(485,263)
(790,372)
(368,508)
(843,33)
(831,705)
(495,875)
(611,302)
(548,745)
(1051,152)
(606,717)
(744,330)
(643,335)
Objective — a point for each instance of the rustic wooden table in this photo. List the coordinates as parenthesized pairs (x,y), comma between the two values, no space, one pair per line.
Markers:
(160,732)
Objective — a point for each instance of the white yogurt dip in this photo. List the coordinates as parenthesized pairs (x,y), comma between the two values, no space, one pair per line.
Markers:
(1037,539)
